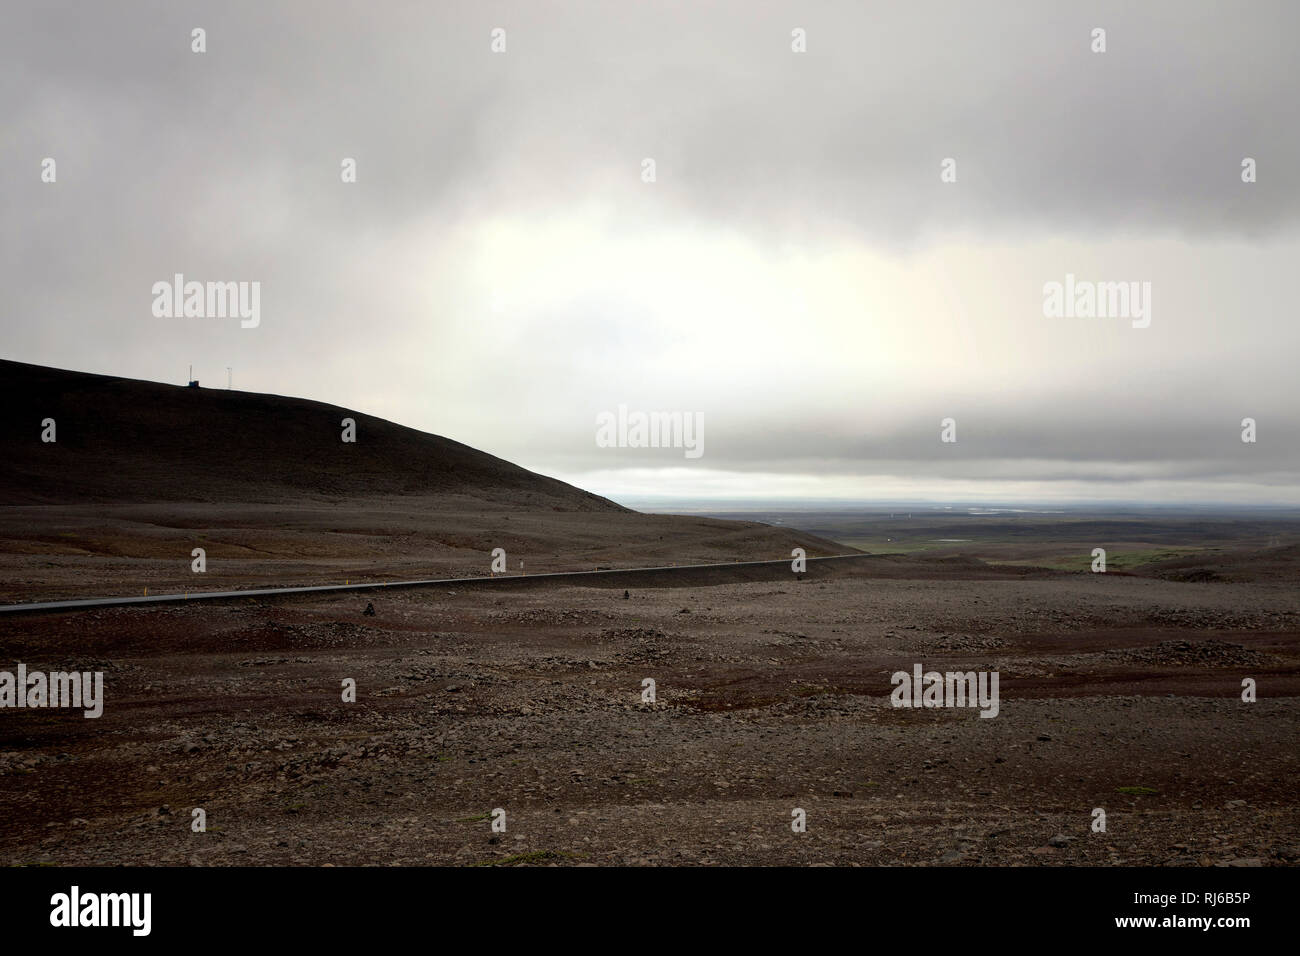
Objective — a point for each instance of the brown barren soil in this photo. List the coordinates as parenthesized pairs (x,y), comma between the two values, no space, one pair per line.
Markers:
(1116,692)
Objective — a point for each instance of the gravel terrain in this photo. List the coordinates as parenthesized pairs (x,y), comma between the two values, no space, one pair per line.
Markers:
(1117,692)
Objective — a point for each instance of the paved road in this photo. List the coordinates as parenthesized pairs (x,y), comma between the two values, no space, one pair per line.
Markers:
(191,596)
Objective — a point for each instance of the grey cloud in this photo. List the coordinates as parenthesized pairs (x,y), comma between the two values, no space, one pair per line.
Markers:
(226,164)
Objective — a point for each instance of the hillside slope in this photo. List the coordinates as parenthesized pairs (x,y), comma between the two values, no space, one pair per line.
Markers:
(121,440)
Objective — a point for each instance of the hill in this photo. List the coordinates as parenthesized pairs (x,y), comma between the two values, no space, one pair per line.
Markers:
(122,440)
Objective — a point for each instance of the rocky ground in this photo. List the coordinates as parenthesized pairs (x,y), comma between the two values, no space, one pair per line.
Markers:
(1117,692)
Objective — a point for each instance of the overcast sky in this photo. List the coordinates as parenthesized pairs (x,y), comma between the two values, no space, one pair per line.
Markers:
(797,274)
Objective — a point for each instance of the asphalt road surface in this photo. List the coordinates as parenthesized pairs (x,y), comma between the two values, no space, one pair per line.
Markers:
(554,576)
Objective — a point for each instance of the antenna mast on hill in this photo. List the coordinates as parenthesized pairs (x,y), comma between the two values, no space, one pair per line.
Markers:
(229,376)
